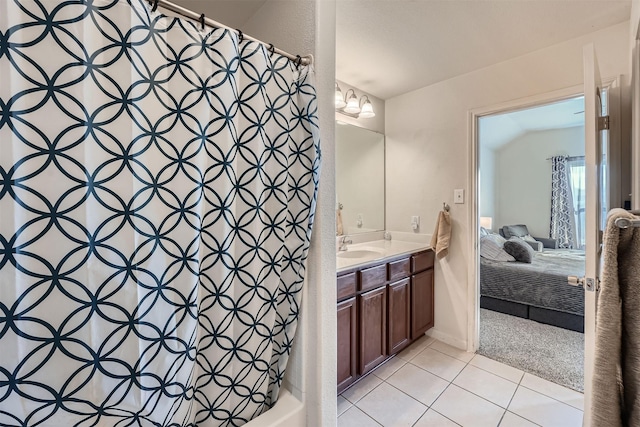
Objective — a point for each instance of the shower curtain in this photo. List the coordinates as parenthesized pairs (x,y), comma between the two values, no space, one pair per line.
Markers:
(158,185)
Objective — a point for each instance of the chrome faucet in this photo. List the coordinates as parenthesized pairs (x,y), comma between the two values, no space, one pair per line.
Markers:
(344,242)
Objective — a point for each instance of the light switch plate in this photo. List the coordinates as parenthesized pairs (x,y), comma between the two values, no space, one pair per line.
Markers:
(458,195)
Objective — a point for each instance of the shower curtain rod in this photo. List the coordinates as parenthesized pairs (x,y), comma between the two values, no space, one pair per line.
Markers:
(307,60)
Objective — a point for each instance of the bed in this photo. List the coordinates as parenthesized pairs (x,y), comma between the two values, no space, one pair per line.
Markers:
(537,291)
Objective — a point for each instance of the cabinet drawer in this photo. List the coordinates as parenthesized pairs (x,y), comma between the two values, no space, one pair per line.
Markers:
(422,261)
(398,269)
(372,277)
(346,286)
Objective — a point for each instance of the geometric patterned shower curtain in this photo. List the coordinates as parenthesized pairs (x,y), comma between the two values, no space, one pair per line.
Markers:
(563,222)
(158,185)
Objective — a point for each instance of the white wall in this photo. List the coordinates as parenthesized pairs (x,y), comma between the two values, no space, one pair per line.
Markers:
(487,184)
(302,27)
(523,176)
(428,146)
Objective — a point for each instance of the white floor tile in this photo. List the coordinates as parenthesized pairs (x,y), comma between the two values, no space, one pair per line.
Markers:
(434,419)
(343,405)
(512,420)
(354,417)
(487,385)
(438,363)
(391,407)
(389,367)
(415,348)
(467,409)
(497,368)
(449,350)
(418,383)
(558,392)
(544,410)
(361,388)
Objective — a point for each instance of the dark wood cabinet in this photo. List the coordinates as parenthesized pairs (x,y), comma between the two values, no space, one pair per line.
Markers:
(421,303)
(399,315)
(347,343)
(382,308)
(372,326)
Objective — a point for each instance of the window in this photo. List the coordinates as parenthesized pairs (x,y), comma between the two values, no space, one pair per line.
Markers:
(578,187)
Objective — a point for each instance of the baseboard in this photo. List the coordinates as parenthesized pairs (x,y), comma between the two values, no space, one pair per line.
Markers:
(447,338)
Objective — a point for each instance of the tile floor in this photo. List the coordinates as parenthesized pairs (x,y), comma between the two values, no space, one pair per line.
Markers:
(433,384)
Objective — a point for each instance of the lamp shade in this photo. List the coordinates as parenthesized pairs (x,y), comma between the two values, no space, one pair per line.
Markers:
(353,106)
(367,110)
(339,98)
(486,222)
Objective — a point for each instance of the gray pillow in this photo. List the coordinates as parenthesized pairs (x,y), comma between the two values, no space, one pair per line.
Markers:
(519,249)
(491,248)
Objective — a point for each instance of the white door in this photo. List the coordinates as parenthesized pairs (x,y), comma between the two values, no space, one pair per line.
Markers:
(596,149)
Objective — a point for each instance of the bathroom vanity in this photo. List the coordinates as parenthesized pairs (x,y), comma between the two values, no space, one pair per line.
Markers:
(384,304)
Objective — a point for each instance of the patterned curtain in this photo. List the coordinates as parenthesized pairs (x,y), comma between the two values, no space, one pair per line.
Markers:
(563,224)
(158,185)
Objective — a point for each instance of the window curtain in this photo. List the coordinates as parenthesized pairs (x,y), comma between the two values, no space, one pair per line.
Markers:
(563,224)
(578,193)
(158,185)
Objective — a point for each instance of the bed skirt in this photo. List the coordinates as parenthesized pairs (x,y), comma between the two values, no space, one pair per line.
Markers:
(560,319)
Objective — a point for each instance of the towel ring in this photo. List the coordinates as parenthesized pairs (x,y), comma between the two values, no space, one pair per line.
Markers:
(445,207)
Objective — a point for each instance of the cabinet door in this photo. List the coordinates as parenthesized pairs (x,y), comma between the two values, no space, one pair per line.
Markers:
(399,319)
(372,310)
(421,303)
(347,344)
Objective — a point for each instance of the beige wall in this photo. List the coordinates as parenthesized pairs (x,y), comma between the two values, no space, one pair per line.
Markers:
(523,176)
(428,146)
(302,27)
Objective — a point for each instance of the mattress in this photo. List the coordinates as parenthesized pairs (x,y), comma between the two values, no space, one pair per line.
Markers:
(543,283)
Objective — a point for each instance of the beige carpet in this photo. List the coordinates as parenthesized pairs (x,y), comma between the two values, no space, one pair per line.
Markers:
(552,353)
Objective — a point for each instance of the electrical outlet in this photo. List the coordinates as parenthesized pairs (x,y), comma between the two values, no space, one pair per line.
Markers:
(458,196)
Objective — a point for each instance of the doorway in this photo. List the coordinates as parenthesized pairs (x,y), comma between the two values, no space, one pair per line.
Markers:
(531,226)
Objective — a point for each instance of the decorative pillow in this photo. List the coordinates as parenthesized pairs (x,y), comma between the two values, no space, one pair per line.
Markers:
(484,232)
(519,249)
(491,248)
(528,238)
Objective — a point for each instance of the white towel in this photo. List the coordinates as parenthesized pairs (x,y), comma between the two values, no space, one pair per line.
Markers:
(442,235)
(616,378)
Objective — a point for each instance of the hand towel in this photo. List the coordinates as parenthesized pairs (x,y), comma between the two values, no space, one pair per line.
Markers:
(339,229)
(442,235)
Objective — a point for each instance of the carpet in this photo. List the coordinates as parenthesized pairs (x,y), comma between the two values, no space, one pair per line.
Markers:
(548,352)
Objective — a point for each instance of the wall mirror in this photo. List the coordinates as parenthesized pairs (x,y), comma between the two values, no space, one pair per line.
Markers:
(360,178)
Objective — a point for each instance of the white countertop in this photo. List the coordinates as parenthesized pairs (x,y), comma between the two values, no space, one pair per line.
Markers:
(377,250)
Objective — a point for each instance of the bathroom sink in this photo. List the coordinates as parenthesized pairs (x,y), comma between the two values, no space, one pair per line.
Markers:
(358,254)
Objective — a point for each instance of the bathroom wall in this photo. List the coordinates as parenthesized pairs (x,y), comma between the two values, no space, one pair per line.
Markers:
(523,176)
(428,149)
(303,27)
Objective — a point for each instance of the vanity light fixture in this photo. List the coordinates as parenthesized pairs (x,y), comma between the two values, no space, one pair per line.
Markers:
(349,104)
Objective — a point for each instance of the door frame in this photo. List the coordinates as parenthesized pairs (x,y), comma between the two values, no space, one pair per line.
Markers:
(612,84)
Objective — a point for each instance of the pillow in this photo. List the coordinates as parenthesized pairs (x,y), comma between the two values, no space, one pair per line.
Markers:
(484,232)
(491,248)
(528,238)
(519,249)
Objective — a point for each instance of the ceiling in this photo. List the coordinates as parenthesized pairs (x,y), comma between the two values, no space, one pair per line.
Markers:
(497,130)
(390,47)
